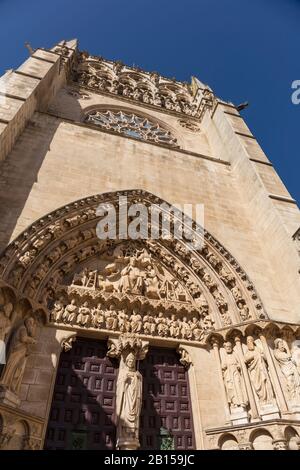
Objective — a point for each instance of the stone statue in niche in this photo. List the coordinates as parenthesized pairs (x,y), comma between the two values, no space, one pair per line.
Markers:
(18,353)
(258,372)
(128,401)
(233,380)
(288,368)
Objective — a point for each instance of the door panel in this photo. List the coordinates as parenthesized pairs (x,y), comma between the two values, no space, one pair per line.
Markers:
(82,411)
(166,421)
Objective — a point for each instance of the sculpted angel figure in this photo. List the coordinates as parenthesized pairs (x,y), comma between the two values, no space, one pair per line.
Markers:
(152,282)
(128,400)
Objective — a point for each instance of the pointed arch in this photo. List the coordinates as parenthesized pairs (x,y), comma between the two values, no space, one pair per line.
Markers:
(214,284)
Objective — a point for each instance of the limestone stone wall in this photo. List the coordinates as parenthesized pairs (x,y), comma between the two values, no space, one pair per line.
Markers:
(50,158)
(56,161)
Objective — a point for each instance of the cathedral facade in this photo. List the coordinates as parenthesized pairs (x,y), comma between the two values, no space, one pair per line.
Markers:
(123,342)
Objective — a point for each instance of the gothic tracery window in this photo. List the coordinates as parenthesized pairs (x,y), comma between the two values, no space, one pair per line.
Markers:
(131,125)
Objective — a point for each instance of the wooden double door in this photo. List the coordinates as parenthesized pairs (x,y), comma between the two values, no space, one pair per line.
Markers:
(82,414)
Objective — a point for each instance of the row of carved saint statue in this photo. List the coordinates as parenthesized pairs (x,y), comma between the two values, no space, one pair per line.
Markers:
(154,324)
(253,362)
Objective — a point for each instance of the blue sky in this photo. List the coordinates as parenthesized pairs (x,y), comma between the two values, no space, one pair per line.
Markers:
(245,50)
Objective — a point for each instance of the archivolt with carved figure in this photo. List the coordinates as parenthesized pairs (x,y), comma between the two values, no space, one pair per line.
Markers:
(61,256)
(59,276)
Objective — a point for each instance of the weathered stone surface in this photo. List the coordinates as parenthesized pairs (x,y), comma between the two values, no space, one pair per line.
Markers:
(244,391)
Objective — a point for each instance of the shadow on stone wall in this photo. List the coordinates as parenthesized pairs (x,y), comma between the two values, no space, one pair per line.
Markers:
(19,171)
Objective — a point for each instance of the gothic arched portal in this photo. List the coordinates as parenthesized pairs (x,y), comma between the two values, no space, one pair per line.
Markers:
(136,293)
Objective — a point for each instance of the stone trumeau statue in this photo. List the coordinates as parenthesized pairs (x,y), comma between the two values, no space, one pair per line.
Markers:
(129,401)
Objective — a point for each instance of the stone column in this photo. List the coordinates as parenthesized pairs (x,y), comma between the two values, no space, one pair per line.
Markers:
(252,402)
(128,348)
(273,375)
(216,346)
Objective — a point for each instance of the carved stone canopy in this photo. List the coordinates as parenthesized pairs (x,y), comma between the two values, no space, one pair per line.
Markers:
(150,89)
(60,255)
(125,344)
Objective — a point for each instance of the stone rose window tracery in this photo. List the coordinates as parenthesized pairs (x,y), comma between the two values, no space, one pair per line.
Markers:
(131,125)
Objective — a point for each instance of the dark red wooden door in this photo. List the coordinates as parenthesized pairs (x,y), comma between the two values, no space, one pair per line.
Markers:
(166,420)
(82,412)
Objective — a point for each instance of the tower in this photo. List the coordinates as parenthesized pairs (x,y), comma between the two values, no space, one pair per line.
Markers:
(208,337)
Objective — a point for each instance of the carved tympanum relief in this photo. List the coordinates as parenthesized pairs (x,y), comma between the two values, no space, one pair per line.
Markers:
(62,251)
(129,290)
